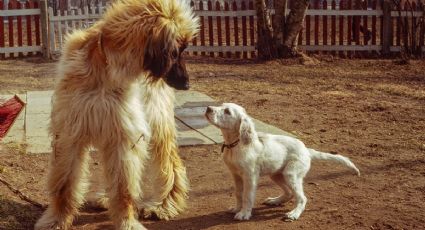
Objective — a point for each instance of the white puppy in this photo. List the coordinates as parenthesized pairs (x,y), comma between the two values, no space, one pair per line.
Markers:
(249,155)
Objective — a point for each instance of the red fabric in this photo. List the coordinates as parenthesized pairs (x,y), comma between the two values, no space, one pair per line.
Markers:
(9,111)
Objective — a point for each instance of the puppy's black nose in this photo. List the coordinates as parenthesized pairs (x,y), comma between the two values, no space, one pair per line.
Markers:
(209,110)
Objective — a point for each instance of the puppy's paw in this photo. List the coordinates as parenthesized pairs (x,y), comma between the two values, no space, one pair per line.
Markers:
(273,201)
(243,215)
(291,216)
(234,209)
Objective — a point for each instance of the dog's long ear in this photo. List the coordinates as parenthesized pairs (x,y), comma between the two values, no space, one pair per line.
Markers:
(246,130)
(160,50)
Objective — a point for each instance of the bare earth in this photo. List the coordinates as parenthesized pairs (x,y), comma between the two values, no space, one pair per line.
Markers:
(372,111)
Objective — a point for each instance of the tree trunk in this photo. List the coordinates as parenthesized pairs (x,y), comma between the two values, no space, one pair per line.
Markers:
(265,44)
(279,20)
(292,27)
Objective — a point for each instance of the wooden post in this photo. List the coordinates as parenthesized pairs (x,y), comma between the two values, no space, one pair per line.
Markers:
(2,39)
(210,28)
(219,33)
(19,28)
(251,29)
(386,27)
(341,27)
(202,27)
(325,24)
(374,3)
(227,28)
(194,41)
(44,16)
(244,30)
(29,5)
(11,6)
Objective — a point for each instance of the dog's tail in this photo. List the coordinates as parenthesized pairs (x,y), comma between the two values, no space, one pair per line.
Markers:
(317,155)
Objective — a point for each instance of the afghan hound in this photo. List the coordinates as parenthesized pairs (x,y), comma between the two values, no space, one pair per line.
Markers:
(98,102)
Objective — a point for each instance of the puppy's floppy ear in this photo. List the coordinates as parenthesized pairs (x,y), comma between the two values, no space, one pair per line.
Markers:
(246,130)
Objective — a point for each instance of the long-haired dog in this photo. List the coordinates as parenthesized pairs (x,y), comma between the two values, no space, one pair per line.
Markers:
(98,102)
(249,155)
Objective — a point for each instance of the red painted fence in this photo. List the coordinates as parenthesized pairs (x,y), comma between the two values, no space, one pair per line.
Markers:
(19,30)
(351,28)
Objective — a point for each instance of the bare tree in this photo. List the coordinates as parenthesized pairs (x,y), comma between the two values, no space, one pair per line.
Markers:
(265,43)
(278,40)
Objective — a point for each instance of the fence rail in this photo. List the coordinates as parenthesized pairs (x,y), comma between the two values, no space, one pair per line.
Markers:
(64,22)
(20,29)
(229,28)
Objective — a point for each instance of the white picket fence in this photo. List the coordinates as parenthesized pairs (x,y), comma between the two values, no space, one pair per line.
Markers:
(62,24)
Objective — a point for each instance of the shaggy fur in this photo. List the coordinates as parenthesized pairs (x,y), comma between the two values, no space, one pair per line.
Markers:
(249,155)
(98,102)
(171,178)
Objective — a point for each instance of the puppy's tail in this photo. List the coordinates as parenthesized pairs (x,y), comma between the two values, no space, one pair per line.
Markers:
(316,155)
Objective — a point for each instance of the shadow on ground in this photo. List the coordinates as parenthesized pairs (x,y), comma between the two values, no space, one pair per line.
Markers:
(221,219)
(14,215)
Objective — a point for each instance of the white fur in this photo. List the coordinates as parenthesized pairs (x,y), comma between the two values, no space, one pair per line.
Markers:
(285,159)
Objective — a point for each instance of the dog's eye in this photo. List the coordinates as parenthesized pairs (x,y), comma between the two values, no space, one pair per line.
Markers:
(227,111)
(175,54)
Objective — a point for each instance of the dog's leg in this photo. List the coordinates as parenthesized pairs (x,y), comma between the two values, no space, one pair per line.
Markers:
(248,197)
(123,171)
(66,183)
(294,174)
(171,184)
(238,193)
(287,193)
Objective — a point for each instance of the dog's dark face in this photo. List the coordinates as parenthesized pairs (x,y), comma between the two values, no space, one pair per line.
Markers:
(170,65)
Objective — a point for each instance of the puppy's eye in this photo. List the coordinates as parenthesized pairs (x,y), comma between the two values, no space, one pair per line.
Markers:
(227,111)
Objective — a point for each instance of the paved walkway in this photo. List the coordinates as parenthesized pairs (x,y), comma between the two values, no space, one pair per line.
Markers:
(193,129)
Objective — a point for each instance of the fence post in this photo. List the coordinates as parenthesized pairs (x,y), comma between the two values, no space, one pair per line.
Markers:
(45,29)
(386,28)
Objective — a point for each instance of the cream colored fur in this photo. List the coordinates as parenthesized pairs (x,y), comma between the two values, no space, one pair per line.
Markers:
(98,102)
(285,159)
(171,178)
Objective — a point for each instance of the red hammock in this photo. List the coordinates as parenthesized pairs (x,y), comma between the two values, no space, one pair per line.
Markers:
(9,111)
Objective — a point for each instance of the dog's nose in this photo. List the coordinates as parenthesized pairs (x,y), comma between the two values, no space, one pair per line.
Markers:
(209,110)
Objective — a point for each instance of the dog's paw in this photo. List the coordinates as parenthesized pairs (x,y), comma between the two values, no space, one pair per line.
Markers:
(49,221)
(131,224)
(47,226)
(291,216)
(243,215)
(234,210)
(156,213)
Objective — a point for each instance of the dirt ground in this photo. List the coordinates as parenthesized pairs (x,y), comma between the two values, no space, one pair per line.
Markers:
(372,111)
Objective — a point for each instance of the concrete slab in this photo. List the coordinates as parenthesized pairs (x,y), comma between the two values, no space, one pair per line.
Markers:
(193,129)
(36,145)
(194,117)
(187,136)
(37,121)
(39,102)
(192,99)
(37,125)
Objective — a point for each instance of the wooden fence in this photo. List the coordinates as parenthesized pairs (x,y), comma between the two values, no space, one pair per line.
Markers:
(356,26)
(228,28)
(63,22)
(20,29)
